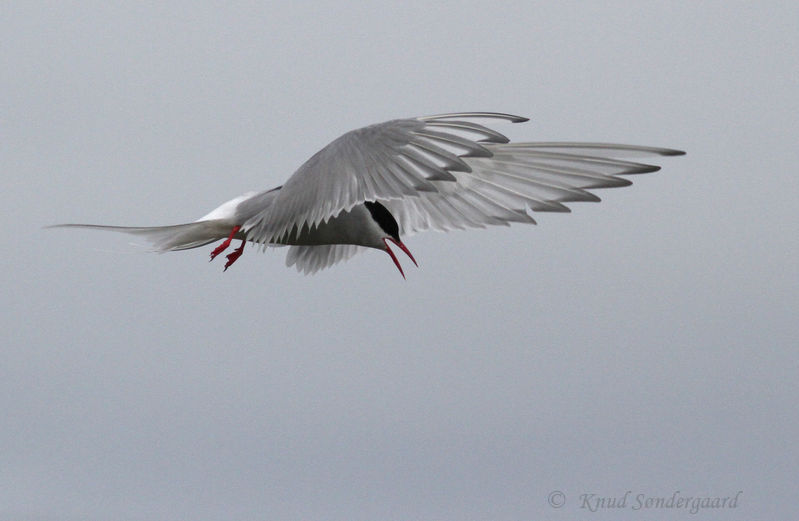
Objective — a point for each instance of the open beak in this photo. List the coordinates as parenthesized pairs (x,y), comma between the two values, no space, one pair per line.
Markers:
(394,257)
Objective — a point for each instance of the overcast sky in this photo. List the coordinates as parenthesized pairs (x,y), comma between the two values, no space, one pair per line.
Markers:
(647,343)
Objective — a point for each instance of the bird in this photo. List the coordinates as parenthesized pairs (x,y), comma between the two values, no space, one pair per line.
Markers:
(374,185)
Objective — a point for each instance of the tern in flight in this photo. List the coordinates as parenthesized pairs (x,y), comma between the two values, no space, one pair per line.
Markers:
(376,184)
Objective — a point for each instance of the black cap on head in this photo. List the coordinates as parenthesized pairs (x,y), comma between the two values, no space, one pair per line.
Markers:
(384,219)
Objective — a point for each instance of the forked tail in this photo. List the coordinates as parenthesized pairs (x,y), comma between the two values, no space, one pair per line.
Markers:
(168,238)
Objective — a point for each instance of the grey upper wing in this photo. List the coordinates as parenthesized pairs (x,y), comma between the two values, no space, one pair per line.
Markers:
(520,176)
(393,160)
(445,172)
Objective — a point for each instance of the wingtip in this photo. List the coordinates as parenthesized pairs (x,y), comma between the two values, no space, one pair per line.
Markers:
(72,225)
(475,115)
(642,169)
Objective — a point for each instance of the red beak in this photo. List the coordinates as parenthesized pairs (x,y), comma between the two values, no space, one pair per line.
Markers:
(394,257)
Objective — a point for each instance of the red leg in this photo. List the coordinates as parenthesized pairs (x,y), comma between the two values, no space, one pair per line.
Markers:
(219,249)
(233,257)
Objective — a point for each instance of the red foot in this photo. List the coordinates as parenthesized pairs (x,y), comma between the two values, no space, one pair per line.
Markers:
(234,256)
(222,247)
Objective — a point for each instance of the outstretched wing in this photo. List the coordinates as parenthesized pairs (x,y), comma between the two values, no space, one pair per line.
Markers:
(444,172)
(392,160)
(518,177)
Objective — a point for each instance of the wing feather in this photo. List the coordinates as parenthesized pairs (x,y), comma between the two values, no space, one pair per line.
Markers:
(441,172)
(310,259)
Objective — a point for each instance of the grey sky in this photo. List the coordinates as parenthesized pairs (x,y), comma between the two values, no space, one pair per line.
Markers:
(646,343)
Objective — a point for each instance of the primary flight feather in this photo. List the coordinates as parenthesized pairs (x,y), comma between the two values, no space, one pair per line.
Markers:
(375,184)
